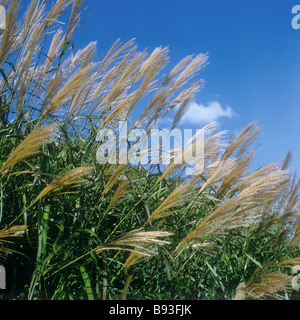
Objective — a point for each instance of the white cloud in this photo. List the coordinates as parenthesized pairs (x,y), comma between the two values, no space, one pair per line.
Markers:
(200,114)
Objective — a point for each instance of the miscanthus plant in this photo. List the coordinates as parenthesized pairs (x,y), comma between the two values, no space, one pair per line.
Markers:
(71,228)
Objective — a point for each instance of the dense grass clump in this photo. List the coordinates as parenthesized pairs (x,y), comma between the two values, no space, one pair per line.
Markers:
(72,228)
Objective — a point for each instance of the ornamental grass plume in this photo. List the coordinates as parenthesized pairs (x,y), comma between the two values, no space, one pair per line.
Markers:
(137,257)
(116,174)
(119,195)
(249,195)
(295,241)
(63,180)
(267,282)
(10,43)
(6,235)
(177,198)
(138,242)
(72,87)
(200,149)
(268,285)
(30,146)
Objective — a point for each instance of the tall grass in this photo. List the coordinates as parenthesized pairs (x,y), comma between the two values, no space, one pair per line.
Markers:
(83,230)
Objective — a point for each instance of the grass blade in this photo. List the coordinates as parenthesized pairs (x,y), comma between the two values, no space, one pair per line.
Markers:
(87,283)
(253,260)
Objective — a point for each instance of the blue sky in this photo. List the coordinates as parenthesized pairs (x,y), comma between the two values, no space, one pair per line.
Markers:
(254,59)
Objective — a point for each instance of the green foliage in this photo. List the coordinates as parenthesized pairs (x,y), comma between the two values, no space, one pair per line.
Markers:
(127,232)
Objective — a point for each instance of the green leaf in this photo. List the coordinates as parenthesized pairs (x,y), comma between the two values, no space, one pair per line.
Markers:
(253,260)
(215,275)
(6,81)
(64,51)
(87,283)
